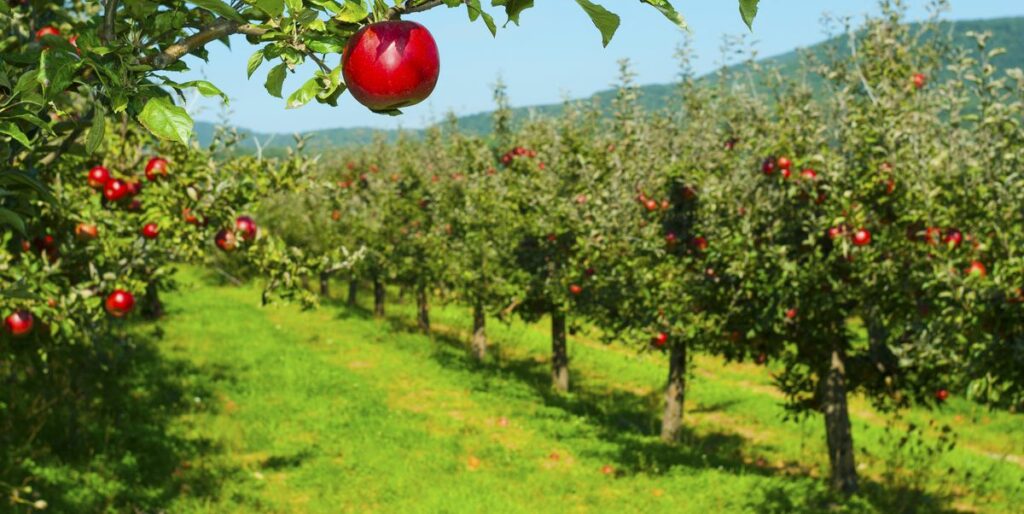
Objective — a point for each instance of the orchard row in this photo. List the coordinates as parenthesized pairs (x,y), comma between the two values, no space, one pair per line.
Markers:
(769,223)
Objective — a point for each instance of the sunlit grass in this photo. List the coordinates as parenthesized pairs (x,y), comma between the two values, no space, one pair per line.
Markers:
(332,411)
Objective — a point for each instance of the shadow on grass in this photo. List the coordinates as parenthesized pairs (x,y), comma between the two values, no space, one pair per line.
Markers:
(105,442)
(631,423)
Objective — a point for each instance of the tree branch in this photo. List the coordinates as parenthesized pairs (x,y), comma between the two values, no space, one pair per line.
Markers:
(109,19)
(216,30)
(411,7)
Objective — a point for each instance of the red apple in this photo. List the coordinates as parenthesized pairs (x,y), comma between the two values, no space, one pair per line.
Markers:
(46,31)
(86,231)
(862,237)
(660,339)
(809,174)
(246,227)
(19,323)
(977,268)
(134,187)
(575,289)
(791,313)
(786,173)
(784,163)
(115,190)
(155,168)
(941,395)
(225,240)
(671,238)
(919,80)
(607,469)
(119,303)
(391,64)
(768,166)
(98,177)
(954,237)
(651,205)
(150,231)
(700,243)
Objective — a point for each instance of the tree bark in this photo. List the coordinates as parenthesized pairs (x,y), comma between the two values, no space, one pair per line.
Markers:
(479,332)
(837,426)
(325,285)
(353,292)
(559,353)
(378,298)
(422,310)
(152,307)
(675,393)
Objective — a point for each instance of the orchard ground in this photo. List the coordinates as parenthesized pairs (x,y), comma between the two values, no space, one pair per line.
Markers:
(332,411)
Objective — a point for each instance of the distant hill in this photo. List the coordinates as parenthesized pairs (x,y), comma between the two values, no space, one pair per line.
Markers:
(1006,33)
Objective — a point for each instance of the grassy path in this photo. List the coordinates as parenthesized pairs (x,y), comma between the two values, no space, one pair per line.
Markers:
(331,411)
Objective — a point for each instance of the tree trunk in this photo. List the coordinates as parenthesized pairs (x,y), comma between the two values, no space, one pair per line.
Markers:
(353,292)
(675,393)
(422,310)
(325,285)
(479,332)
(837,426)
(152,307)
(559,353)
(378,298)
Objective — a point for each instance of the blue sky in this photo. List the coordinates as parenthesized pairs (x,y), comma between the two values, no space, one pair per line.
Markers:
(554,53)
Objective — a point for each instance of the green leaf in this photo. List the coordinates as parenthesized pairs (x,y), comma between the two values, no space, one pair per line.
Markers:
(11,219)
(166,120)
(352,11)
(668,11)
(221,8)
(254,62)
(294,6)
(304,94)
(56,70)
(748,10)
(275,79)
(205,88)
(513,8)
(96,131)
(273,8)
(605,21)
(475,11)
(15,132)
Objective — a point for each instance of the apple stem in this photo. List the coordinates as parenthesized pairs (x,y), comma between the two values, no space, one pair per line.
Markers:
(410,7)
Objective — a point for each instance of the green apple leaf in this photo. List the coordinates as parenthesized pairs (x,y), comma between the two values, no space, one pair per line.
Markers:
(748,10)
(275,79)
(607,22)
(166,120)
(221,8)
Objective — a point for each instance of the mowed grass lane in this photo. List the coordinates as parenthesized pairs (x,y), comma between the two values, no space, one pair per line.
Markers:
(332,411)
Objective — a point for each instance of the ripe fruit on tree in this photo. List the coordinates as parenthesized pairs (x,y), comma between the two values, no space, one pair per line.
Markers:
(862,237)
(941,395)
(671,238)
(784,163)
(115,190)
(919,80)
(225,240)
(19,323)
(46,31)
(954,237)
(768,166)
(119,303)
(660,339)
(246,228)
(98,177)
(791,313)
(150,231)
(155,168)
(651,205)
(86,231)
(977,268)
(575,289)
(190,218)
(391,64)
(700,243)
(336,215)
(809,174)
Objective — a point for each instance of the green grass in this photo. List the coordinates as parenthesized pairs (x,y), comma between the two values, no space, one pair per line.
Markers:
(332,411)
